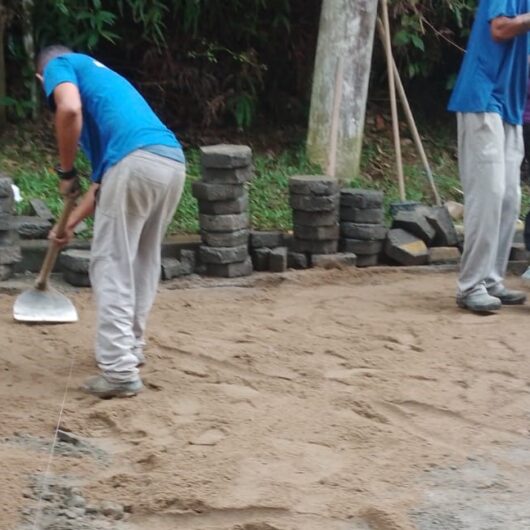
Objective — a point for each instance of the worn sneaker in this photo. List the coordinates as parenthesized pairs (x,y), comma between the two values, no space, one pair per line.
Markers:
(508,296)
(480,302)
(101,387)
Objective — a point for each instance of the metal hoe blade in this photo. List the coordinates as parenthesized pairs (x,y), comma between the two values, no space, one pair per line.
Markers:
(47,305)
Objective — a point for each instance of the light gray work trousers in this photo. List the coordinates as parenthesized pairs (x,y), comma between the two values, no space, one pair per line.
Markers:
(135,204)
(490,152)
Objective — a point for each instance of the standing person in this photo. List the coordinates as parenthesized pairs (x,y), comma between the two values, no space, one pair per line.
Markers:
(138,172)
(489,98)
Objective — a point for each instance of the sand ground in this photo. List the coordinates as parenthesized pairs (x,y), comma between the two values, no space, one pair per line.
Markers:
(336,400)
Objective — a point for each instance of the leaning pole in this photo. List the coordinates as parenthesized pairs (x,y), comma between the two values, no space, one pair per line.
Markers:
(346,30)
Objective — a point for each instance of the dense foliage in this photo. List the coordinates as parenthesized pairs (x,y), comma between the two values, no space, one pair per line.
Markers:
(209,63)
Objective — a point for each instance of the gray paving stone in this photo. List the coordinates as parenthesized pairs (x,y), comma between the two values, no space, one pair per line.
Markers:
(9,238)
(239,205)
(260,258)
(315,247)
(223,255)
(31,227)
(225,156)
(75,260)
(7,205)
(10,255)
(224,223)
(40,209)
(297,260)
(316,233)
(225,239)
(444,255)
(315,218)
(263,239)
(176,268)
(442,222)
(6,188)
(232,270)
(334,261)
(6,222)
(313,185)
(216,192)
(364,231)
(360,215)
(239,175)
(361,247)
(368,261)
(416,224)
(314,203)
(405,248)
(358,198)
(278,259)
(77,279)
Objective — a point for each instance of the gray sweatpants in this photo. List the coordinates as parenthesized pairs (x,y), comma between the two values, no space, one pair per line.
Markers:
(490,153)
(136,202)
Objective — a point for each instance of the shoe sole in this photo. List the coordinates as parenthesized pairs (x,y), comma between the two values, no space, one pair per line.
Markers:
(515,301)
(483,309)
(110,395)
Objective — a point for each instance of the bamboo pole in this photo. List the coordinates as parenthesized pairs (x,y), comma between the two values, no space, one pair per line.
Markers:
(411,121)
(393,100)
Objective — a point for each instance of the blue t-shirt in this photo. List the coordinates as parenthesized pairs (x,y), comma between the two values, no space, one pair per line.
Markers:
(493,75)
(116,118)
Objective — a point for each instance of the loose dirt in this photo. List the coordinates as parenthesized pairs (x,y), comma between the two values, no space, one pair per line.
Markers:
(337,400)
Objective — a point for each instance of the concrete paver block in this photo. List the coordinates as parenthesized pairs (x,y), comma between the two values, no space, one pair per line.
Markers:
(10,255)
(442,222)
(405,248)
(444,255)
(278,259)
(269,239)
(364,231)
(232,270)
(238,205)
(31,227)
(316,233)
(315,247)
(40,209)
(260,258)
(224,223)
(314,203)
(416,224)
(225,156)
(297,260)
(368,261)
(301,218)
(358,198)
(362,215)
(238,175)
(362,247)
(75,260)
(6,186)
(223,255)
(216,192)
(77,279)
(334,261)
(225,239)
(313,185)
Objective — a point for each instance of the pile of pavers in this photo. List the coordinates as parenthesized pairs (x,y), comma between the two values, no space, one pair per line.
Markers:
(362,227)
(315,203)
(424,235)
(9,239)
(223,210)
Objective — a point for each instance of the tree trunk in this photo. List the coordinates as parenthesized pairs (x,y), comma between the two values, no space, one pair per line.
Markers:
(3,94)
(346,29)
(29,48)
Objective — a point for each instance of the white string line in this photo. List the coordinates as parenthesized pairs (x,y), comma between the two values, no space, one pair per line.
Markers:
(44,484)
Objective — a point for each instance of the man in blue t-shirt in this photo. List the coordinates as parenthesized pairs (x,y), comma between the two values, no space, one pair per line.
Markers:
(489,99)
(138,172)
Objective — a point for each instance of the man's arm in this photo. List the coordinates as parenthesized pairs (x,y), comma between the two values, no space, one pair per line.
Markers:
(68,125)
(506,28)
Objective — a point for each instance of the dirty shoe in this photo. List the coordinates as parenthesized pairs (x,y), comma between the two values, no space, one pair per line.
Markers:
(101,387)
(507,296)
(480,302)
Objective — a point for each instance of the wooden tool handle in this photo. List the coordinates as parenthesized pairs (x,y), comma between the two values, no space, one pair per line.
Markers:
(53,248)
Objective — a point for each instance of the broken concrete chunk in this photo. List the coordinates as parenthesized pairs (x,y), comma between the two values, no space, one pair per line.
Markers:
(238,205)
(316,233)
(405,248)
(363,231)
(223,255)
(240,175)
(224,223)
(313,185)
(225,156)
(278,259)
(333,261)
(225,239)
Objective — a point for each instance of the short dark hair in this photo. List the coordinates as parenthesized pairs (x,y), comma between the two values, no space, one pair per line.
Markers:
(49,53)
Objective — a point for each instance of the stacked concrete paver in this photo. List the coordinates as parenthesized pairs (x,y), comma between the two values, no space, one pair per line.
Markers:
(223,210)
(362,224)
(315,203)
(9,240)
